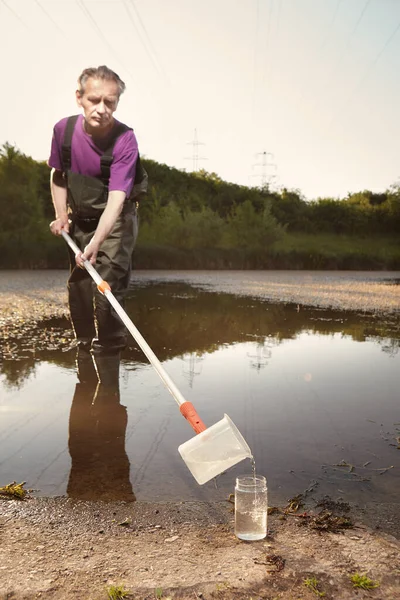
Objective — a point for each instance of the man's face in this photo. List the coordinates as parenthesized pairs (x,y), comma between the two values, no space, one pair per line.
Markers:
(99,101)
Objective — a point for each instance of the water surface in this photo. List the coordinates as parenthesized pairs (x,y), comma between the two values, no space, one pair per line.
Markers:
(314,392)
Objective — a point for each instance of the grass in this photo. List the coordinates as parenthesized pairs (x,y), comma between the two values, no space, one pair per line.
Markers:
(331,243)
(363,582)
(293,251)
(117,592)
(312,584)
(341,249)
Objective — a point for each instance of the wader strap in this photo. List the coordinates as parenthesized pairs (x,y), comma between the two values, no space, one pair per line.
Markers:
(107,157)
(66,146)
(140,172)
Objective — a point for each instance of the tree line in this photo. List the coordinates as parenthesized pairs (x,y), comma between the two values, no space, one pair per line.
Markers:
(195,220)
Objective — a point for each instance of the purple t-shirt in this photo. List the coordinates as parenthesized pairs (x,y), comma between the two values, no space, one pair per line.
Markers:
(85,155)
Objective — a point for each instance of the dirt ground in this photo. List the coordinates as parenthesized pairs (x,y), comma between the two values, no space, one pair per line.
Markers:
(57,548)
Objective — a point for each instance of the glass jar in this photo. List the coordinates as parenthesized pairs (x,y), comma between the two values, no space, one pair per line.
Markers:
(251,507)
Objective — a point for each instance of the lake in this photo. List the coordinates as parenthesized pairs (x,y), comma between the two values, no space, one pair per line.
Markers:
(314,391)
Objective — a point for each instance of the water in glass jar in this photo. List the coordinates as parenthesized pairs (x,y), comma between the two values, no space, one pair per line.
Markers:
(251,507)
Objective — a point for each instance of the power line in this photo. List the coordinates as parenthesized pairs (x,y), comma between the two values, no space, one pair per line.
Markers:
(49,16)
(15,14)
(346,47)
(353,32)
(335,13)
(155,61)
(265,66)
(367,72)
(95,26)
(278,19)
(255,57)
(372,65)
(367,3)
(266,72)
(301,99)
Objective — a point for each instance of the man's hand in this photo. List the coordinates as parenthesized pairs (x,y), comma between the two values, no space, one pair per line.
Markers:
(107,221)
(89,253)
(59,224)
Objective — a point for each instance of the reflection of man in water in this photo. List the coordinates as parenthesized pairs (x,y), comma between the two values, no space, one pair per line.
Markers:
(97,427)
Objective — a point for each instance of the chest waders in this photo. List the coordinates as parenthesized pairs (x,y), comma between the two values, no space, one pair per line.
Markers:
(96,325)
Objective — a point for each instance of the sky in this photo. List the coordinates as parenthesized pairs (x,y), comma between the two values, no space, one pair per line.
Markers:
(302,94)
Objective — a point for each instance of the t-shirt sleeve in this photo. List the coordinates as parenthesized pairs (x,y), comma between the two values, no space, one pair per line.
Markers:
(55,160)
(123,168)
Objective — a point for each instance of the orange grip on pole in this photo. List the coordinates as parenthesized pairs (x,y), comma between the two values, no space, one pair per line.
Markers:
(103,286)
(189,412)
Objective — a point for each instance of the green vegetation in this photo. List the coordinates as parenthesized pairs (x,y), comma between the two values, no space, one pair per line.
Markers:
(26,211)
(363,582)
(196,220)
(312,584)
(117,592)
(342,251)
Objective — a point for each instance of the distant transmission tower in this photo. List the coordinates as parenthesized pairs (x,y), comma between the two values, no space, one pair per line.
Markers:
(194,366)
(195,156)
(266,177)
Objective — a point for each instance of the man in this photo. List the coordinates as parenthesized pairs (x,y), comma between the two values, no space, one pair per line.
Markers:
(93,160)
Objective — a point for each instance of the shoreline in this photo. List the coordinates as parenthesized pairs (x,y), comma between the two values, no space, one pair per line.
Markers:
(43,294)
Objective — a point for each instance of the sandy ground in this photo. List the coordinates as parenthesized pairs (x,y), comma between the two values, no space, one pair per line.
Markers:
(58,548)
(55,548)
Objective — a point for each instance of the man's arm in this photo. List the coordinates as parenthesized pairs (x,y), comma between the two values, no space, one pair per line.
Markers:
(58,190)
(107,221)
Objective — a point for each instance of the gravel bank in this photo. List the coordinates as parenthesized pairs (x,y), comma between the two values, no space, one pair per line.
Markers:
(39,295)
